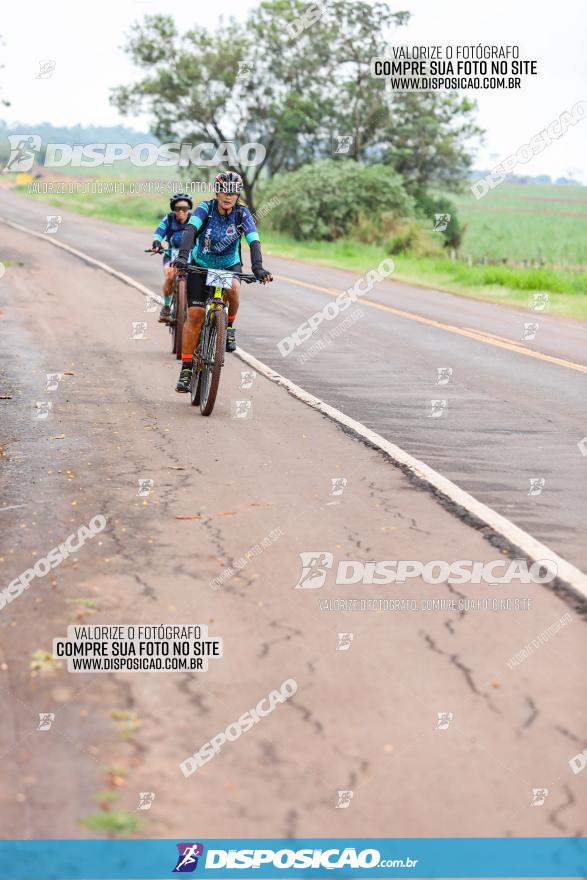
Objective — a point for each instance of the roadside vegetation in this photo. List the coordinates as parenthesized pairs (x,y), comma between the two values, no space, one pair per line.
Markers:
(425,261)
(348,174)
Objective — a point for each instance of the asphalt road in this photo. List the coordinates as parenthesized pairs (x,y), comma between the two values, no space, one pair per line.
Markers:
(365,719)
(514,411)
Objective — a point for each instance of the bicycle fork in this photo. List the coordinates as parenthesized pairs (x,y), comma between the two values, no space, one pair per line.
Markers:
(216,302)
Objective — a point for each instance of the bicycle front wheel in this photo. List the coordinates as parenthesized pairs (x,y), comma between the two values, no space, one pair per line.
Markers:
(212,354)
(195,386)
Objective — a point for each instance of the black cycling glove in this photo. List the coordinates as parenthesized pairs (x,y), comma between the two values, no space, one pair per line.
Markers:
(257,262)
(260,273)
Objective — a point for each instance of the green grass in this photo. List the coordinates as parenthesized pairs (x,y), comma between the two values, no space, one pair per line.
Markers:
(115,823)
(502,284)
(125,170)
(549,236)
(126,209)
(526,222)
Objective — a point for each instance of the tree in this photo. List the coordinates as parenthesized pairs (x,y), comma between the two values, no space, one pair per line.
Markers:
(250,83)
(187,84)
(332,44)
(290,77)
(324,200)
(423,136)
(219,87)
(427,139)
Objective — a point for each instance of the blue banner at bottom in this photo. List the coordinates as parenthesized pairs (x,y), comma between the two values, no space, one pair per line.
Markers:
(307,858)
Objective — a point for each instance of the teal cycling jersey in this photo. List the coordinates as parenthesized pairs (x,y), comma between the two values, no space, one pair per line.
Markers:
(217,247)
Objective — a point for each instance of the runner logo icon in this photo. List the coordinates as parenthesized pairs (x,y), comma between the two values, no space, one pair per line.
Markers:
(22,152)
(187,860)
(315,564)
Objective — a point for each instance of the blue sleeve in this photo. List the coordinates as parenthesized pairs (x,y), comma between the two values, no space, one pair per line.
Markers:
(161,231)
(199,215)
(249,228)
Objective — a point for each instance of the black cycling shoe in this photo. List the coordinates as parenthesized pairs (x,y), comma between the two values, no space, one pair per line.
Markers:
(164,315)
(183,383)
(230,339)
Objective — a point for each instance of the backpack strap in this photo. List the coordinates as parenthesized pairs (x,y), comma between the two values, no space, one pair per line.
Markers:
(209,203)
(239,230)
(239,219)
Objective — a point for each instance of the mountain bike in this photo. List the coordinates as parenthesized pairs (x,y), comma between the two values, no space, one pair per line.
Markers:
(178,307)
(209,352)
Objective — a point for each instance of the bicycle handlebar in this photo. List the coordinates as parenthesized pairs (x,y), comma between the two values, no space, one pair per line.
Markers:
(247,277)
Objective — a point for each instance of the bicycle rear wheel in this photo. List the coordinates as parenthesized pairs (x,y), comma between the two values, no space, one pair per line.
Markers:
(180,303)
(212,354)
(172,324)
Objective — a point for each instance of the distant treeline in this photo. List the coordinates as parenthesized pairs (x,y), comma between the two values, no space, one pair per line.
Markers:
(528,178)
(75,134)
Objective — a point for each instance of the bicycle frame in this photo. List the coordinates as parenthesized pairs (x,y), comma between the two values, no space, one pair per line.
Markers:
(177,306)
(215,301)
(208,357)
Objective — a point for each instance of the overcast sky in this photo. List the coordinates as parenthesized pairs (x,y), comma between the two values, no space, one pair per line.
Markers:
(85,44)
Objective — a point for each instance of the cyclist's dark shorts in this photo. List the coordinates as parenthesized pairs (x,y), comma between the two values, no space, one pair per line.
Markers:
(197,285)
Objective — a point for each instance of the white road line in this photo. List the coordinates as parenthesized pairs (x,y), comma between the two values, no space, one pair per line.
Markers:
(515,535)
(518,537)
(85,257)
